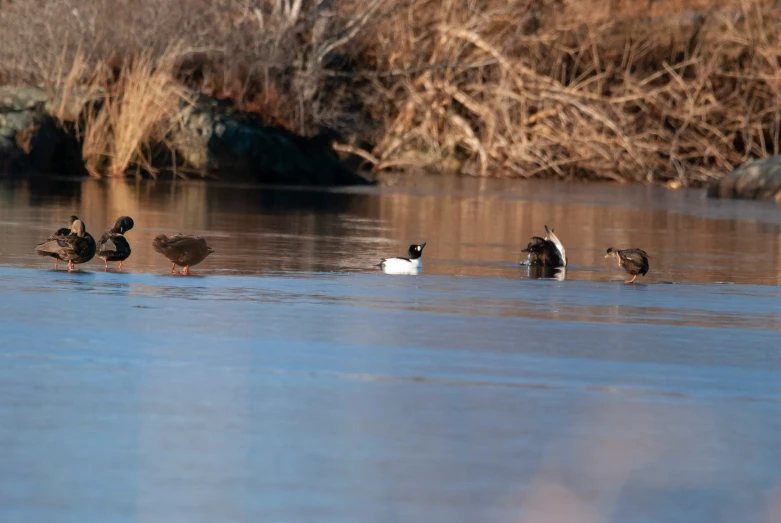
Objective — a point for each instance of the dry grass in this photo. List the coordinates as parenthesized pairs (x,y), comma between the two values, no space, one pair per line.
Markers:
(648,101)
(139,106)
(120,115)
(524,88)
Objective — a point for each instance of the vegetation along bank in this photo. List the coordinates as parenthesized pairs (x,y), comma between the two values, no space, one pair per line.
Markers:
(669,92)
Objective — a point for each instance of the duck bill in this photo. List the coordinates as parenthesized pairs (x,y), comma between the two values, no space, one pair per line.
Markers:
(422,245)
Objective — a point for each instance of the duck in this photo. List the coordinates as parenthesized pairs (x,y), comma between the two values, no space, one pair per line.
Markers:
(634,261)
(62,231)
(182,250)
(113,246)
(546,252)
(404,265)
(76,247)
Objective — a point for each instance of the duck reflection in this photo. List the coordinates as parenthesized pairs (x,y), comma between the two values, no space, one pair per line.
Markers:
(538,272)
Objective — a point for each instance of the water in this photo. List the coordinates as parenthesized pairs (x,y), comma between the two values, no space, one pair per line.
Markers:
(292,381)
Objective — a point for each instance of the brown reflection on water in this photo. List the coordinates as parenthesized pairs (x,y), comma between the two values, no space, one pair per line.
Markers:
(473,227)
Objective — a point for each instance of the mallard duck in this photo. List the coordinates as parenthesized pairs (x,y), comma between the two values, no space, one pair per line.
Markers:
(634,261)
(76,247)
(546,252)
(112,245)
(62,231)
(182,250)
(404,265)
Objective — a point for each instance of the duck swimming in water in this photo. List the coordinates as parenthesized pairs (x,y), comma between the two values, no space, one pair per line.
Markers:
(76,247)
(546,252)
(404,265)
(634,261)
(182,250)
(113,245)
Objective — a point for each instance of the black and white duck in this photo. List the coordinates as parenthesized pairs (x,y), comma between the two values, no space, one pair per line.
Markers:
(409,265)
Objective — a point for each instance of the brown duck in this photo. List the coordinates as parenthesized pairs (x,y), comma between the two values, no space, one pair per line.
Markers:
(182,250)
(62,231)
(634,261)
(78,246)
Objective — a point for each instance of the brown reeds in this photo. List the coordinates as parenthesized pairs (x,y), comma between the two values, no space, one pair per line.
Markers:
(121,114)
(140,106)
(670,100)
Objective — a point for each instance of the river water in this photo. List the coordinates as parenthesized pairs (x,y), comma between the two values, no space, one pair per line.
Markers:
(290,380)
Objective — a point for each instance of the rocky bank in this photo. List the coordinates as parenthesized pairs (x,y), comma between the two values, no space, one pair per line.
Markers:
(210,138)
(757,180)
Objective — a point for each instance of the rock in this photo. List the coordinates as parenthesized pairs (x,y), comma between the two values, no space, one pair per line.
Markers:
(211,137)
(31,142)
(18,99)
(757,180)
(214,139)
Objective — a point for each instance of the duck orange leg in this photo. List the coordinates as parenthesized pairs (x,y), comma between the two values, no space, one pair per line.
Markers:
(71,266)
(186,269)
(56,263)
(633,279)
(104,270)
(120,265)
(173,268)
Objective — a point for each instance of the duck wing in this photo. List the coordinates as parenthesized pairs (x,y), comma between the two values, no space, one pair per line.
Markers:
(55,246)
(113,246)
(62,247)
(635,259)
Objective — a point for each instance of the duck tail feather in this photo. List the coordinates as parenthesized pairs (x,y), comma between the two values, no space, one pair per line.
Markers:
(48,248)
(552,237)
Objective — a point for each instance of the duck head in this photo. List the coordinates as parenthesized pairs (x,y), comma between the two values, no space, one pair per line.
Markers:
(416,251)
(123,224)
(77,228)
